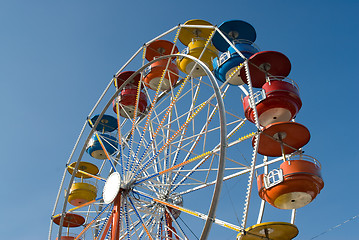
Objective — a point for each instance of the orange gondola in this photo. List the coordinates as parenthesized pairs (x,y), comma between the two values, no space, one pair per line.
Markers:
(295,184)
(154,73)
(70,220)
(281,138)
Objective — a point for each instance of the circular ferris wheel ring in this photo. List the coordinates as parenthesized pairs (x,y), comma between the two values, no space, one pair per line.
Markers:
(221,147)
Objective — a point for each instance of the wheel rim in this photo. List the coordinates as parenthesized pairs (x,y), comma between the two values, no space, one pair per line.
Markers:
(172,139)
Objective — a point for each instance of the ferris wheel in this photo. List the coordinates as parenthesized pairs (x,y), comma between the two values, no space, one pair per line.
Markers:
(155,150)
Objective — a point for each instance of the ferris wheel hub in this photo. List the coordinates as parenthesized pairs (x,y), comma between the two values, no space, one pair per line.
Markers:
(111,188)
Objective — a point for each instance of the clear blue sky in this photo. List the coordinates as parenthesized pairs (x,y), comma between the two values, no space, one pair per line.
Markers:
(56,57)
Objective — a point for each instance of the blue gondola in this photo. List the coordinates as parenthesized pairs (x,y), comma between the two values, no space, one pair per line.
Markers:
(95,149)
(106,124)
(242,35)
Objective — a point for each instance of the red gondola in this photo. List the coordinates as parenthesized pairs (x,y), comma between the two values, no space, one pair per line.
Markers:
(266,63)
(278,101)
(123,76)
(127,103)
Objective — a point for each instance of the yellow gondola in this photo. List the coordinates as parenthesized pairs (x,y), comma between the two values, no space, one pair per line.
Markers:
(269,230)
(82,192)
(196,39)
